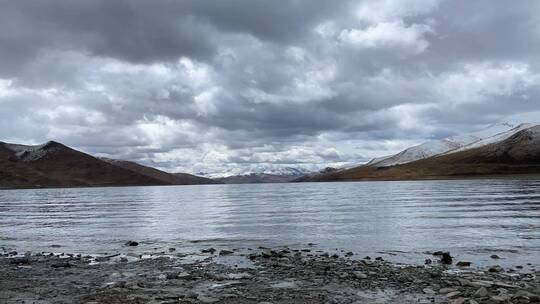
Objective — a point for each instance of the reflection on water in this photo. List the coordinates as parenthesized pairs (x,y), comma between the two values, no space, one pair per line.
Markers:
(469,218)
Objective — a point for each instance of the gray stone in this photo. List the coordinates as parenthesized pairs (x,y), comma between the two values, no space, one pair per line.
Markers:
(480,293)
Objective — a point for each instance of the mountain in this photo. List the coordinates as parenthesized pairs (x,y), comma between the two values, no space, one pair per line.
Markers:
(493,133)
(165,177)
(512,152)
(257,178)
(55,165)
(263,174)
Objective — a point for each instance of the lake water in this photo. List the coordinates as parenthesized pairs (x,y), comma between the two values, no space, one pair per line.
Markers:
(398,220)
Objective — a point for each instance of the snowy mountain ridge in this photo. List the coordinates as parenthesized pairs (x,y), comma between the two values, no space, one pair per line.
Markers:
(31,152)
(492,134)
(263,170)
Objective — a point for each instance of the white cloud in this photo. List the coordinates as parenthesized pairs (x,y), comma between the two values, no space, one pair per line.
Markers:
(477,82)
(389,35)
(389,10)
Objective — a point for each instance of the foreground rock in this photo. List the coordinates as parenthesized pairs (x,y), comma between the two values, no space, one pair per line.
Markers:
(281,275)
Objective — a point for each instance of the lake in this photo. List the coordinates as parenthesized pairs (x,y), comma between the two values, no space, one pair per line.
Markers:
(472,219)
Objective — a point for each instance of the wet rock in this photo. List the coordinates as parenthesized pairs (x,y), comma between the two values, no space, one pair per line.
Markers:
(429,291)
(379,259)
(61,264)
(172,249)
(463,264)
(209,250)
(495,269)
(428,261)
(446,258)
(20,261)
(225,252)
(132,243)
(349,254)
(495,257)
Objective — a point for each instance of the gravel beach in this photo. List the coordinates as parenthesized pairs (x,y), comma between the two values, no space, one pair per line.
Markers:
(259,276)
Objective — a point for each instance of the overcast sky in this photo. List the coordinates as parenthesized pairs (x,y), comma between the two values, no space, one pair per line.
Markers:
(233,85)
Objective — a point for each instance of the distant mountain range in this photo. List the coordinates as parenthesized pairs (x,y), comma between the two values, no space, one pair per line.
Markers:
(263,175)
(55,165)
(502,149)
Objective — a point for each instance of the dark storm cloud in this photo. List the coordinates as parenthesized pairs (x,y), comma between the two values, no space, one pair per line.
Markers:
(234,85)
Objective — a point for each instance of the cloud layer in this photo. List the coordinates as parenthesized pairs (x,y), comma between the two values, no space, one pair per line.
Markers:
(235,86)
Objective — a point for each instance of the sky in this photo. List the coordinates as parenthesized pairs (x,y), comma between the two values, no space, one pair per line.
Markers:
(236,86)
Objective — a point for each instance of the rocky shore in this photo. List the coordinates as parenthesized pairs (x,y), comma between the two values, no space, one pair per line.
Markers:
(259,276)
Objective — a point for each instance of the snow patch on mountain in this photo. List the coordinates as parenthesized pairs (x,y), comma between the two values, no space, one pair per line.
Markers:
(495,138)
(30,152)
(492,134)
(262,169)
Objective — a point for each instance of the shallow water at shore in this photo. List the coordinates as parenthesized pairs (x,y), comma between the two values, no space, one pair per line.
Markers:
(473,219)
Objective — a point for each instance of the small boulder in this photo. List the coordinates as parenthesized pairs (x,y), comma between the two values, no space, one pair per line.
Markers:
(61,264)
(132,243)
(495,269)
(209,250)
(20,261)
(446,258)
(463,264)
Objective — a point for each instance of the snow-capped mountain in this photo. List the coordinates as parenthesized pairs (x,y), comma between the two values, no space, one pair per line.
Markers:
(515,152)
(262,169)
(492,134)
(31,152)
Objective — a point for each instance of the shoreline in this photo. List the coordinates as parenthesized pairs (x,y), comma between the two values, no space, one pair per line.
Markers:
(258,275)
(523,176)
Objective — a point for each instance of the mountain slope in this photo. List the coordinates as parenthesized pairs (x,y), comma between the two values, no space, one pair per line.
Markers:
(491,134)
(55,165)
(517,154)
(167,178)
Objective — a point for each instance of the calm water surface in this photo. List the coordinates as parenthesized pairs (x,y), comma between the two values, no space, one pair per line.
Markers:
(400,220)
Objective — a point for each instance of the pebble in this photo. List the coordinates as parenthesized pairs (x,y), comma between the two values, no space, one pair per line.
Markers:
(459,301)
(480,293)
(360,275)
(453,294)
